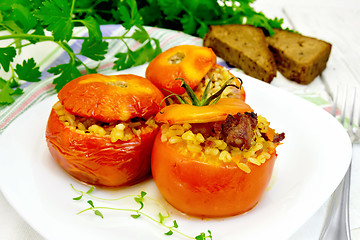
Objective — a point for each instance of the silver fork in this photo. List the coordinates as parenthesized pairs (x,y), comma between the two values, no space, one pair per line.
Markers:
(337,226)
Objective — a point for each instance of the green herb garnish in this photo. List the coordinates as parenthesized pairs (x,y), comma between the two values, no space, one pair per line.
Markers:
(195,17)
(163,215)
(205,99)
(26,22)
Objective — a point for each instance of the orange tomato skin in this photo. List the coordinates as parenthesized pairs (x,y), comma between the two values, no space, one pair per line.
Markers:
(196,62)
(111,98)
(186,113)
(204,189)
(96,160)
(240,93)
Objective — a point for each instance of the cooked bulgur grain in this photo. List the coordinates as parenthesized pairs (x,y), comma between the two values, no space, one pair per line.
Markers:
(213,149)
(220,76)
(123,131)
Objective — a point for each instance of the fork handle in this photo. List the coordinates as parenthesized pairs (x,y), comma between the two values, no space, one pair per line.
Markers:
(337,225)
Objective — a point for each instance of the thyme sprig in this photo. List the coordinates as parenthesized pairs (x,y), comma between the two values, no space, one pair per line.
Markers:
(205,100)
(212,99)
(162,217)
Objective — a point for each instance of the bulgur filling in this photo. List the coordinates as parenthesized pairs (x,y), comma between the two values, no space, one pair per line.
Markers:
(123,131)
(219,77)
(216,149)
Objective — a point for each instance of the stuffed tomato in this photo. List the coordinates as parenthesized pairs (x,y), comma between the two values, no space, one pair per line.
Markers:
(102,129)
(215,160)
(196,66)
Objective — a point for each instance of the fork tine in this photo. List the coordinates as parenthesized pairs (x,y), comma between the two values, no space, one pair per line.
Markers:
(354,125)
(334,107)
(344,107)
(337,224)
(351,121)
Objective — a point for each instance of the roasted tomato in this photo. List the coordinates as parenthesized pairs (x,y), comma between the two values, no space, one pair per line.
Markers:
(209,189)
(214,160)
(102,129)
(188,62)
(219,75)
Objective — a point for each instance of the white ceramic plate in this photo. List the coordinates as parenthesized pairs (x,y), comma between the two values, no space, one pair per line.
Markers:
(312,160)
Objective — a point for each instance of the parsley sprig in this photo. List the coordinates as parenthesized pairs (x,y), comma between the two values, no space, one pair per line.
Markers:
(29,22)
(161,219)
(195,17)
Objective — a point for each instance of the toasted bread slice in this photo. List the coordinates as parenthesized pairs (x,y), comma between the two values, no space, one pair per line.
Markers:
(244,47)
(299,58)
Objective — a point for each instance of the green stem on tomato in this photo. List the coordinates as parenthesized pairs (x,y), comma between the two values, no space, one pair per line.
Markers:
(205,100)
(217,95)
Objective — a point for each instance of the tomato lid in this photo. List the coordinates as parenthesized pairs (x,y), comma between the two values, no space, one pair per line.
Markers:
(185,61)
(111,98)
(186,113)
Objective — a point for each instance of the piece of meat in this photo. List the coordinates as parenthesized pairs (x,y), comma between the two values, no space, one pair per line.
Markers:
(238,130)
(278,137)
(211,129)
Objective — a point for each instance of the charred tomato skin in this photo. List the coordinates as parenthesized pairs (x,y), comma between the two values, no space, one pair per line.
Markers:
(206,189)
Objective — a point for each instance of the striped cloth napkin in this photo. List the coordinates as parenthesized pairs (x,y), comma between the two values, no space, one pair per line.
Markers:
(36,92)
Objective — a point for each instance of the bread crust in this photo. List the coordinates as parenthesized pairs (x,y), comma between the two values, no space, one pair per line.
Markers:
(244,47)
(299,58)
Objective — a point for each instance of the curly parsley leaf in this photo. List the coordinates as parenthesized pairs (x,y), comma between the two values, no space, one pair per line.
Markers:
(135,58)
(94,50)
(171,8)
(7,93)
(94,29)
(195,16)
(66,72)
(151,14)
(23,17)
(129,14)
(7,55)
(189,24)
(124,60)
(203,29)
(140,35)
(31,17)
(56,15)
(28,71)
